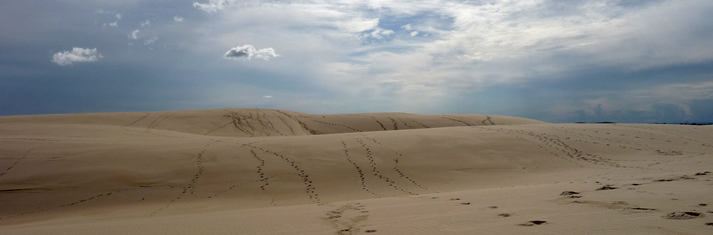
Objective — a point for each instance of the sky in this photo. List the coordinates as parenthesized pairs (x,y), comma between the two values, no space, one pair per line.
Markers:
(641,61)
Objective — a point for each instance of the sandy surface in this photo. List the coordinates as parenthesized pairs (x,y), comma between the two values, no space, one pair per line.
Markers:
(257,171)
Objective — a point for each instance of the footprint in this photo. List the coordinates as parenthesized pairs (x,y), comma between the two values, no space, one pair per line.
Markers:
(347,219)
(607,187)
(533,223)
(641,209)
(683,215)
(567,193)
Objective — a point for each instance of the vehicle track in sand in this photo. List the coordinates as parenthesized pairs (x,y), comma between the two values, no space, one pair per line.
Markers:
(309,187)
(375,170)
(189,187)
(362,177)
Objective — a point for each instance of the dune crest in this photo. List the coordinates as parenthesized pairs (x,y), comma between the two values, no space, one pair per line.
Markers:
(268,122)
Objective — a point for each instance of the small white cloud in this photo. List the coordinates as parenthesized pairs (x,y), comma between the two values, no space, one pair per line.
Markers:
(178,19)
(378,33)
(115,24)
(134,34)
(247,52)
(146,23)
(213,5)
(76,55)
(414,33)
(118,16)
(150,41)
(406,27)
(267,97)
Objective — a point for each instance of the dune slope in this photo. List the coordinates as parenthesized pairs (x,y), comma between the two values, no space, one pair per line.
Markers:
(117,170)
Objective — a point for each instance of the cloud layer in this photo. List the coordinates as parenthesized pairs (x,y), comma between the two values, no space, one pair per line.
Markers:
(560,61)
(248,52)
(76,55)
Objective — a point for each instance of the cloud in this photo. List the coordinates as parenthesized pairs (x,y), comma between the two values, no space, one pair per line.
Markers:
(115,24)
(247,52)
(118,16)
(178,19)
(213,5)
(414,33)
(134,34)
(146,23)
(76,55)
(267,97)
(150,40)
(379,33)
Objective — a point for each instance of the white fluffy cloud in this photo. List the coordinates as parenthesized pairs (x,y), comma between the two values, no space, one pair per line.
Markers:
(76,55)
(146,23)
(247,52)
(178,19)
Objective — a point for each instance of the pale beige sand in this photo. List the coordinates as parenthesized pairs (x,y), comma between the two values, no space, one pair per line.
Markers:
(257,171)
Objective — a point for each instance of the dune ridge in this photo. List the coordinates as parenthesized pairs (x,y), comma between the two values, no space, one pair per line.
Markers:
(342,173)
(267,122)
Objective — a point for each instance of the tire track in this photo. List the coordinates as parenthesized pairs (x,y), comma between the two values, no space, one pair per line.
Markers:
(380,124)
(642,147)
(286,124)
(488,121)
(396,163)
(362,178)
(241,123)
(541,145)
(155,123)
(706,144)
(417,122)
(456,120)
(552,141)
(396,125)
(218,128)
(259,170)
(138,120)
(266,124)
(74,203)
(333,124)
(191,186)
(309,188)
(302,124)
(405,124)
(12,166)
(199,164)
(375,171)
(267,178)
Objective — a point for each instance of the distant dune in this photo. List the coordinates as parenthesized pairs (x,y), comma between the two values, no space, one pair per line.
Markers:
(261,171)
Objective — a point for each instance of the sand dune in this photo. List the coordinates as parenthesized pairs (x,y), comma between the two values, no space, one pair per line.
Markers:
(258,171)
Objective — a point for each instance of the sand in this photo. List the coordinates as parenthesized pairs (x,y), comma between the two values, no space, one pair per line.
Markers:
(259,171)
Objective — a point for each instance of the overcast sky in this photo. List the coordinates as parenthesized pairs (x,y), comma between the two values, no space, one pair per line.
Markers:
(557,61)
